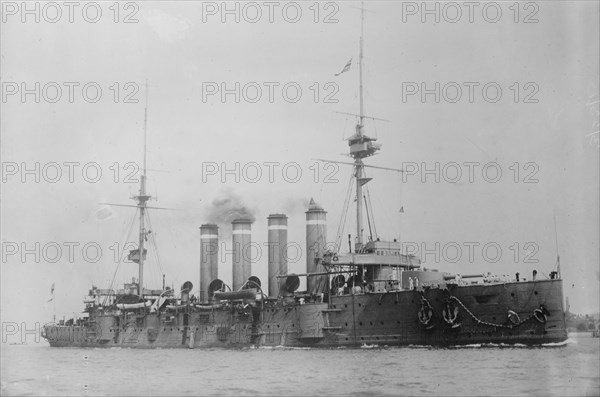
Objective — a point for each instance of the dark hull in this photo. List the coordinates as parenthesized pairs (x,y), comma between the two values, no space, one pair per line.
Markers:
(390,318)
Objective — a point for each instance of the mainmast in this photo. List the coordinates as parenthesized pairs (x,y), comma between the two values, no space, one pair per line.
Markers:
(142,199)
(358,161)
(361,146)
(360,61)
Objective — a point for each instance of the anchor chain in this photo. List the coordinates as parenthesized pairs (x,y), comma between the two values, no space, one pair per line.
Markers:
(478,321)
(426,306)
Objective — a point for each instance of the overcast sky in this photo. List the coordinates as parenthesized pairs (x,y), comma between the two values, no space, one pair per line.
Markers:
(540,130)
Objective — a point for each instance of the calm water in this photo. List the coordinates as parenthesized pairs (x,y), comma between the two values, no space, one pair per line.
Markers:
(572,369)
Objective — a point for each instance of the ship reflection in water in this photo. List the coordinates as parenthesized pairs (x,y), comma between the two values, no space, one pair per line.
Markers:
(570,370)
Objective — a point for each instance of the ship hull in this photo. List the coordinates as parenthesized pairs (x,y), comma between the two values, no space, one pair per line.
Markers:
(180,329)
(393,318)
(530,313)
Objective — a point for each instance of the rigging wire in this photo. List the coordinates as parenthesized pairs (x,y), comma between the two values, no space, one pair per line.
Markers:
(344,214)
(345,128)
(155,245)
(368,218)
(370,213)
(111,285)
(375,129)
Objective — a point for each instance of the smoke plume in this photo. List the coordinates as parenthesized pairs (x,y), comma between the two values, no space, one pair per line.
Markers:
(227,207)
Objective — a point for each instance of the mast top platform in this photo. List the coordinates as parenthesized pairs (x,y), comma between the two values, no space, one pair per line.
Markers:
(361,145)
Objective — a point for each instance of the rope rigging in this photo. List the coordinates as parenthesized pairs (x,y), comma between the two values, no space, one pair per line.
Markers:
(112,282)
(344,214)
(370,213)
(154,245)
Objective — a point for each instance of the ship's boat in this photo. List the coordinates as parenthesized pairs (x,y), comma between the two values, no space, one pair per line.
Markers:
(372,294)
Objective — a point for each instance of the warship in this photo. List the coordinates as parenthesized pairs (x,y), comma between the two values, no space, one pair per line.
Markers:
(371,293)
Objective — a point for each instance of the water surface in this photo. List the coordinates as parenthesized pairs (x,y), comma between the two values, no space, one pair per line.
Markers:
(568,370)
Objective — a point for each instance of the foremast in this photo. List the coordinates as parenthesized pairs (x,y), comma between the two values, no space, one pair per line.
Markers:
(361,145)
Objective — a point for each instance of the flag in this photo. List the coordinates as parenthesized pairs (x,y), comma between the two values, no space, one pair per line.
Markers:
(346,68)
(50,300)
(401,210)
(52,289)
